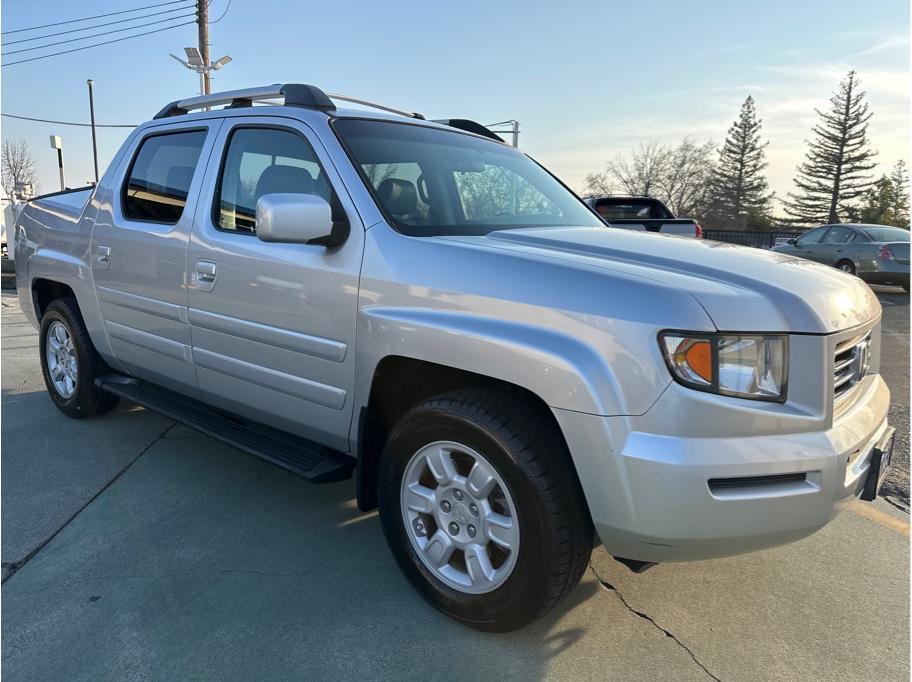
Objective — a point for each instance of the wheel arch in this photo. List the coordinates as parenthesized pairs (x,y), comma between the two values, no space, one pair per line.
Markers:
(45,290)
(400,382)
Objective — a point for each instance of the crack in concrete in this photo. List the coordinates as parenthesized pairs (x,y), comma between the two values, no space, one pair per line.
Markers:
(14,567)
(645,616)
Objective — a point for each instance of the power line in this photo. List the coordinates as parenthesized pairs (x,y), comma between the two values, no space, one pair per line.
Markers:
(97,16)
(68,123)
(106,42)
(227,7)
(96,35)
(89,28)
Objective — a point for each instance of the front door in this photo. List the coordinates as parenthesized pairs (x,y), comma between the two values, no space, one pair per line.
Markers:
(273,324)
(808,244)
(139,252)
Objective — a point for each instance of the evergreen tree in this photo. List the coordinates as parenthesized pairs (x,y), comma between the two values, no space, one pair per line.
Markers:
(900,206)
(877,207)
(738,187)
(835,169)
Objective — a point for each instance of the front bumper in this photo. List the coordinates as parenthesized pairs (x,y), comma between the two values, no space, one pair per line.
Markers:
(650,495)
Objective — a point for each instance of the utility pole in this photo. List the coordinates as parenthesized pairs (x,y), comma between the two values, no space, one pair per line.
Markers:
(202,18)
(91,84)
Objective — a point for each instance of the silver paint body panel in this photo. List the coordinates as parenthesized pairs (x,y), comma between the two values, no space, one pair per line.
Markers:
(291,335)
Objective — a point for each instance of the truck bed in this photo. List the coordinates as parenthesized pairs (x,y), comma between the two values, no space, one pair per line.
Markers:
(58,211)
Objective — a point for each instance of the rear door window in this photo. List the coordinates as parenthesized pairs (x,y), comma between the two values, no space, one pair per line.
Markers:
(839,235)
(159,180)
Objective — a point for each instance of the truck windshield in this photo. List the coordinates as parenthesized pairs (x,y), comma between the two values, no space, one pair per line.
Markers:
(431,182)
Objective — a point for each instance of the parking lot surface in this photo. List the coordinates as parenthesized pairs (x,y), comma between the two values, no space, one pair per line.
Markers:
(137,549)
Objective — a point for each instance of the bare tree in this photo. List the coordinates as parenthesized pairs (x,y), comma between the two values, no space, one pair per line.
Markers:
(18,166)
(685,180)
(598,183)
(641,173)
(679,176)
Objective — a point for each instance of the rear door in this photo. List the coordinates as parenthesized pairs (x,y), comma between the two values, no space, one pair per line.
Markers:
(139,252)
(273,324)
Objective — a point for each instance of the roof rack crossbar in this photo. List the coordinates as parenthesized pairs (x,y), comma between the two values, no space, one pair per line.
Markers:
(293,94)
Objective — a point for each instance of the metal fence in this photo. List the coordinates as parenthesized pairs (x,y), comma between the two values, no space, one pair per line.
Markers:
(760,240)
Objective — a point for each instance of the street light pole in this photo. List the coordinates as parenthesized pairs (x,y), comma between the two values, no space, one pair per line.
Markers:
(91,84)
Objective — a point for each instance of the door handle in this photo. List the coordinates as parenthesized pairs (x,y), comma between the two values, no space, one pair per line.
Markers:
(206,270)
(103,256)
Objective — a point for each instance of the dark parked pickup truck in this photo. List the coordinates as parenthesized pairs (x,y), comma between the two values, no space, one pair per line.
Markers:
(644,214)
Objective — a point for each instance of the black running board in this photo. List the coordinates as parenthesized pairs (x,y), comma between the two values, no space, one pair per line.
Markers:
(314,462)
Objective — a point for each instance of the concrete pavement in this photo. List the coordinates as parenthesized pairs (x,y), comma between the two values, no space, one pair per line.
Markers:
(142,550)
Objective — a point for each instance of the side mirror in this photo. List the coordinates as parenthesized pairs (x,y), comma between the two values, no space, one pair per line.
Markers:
(792,241)
(293,219)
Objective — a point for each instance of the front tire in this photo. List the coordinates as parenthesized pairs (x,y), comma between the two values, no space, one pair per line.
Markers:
(70,363)
(482,509)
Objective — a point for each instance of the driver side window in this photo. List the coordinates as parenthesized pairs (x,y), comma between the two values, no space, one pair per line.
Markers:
(262,161)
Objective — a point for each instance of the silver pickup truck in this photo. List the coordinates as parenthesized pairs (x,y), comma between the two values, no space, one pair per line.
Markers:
(364,292)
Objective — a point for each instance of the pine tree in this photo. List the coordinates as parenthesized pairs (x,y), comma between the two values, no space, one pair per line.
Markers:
(899,208)
(877,206)
(738,188)
(835,169)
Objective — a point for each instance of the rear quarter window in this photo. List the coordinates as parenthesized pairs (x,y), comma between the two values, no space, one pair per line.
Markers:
(158,182)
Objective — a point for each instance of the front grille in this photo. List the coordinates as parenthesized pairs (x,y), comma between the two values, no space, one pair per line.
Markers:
(850,364)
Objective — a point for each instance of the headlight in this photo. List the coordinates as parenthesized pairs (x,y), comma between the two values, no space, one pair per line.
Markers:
(741,365)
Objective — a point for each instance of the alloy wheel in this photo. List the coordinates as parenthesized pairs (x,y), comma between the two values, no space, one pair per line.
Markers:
(460,517)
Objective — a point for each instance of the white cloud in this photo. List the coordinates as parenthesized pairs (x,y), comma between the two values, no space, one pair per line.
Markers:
(889,43)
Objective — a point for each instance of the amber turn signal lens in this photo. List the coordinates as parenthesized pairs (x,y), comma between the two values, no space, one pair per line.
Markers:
(697,355)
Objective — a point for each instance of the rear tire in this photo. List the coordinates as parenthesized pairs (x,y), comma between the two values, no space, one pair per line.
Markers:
(551,530)
(70,363)
(846,266)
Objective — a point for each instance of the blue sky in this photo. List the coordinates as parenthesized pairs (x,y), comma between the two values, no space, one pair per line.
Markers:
(587,80)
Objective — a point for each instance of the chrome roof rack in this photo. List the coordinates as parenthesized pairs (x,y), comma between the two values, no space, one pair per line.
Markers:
(298,95)
(292,94)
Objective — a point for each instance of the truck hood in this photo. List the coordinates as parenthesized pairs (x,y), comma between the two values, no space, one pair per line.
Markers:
(741,288)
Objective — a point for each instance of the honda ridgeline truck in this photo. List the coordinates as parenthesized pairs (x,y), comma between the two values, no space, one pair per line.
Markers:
(354,292)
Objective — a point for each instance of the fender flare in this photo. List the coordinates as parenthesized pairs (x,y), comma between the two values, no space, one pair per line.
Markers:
(560,369)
